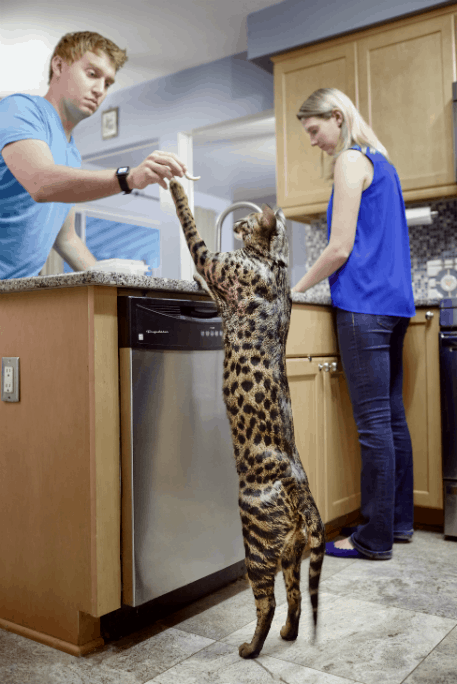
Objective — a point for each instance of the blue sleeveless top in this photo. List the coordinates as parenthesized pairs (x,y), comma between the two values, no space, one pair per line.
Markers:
(376,278)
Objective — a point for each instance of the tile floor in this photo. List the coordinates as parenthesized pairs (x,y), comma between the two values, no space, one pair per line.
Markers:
(381,622)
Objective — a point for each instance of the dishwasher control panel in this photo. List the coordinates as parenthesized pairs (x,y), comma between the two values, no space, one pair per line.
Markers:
(149,323)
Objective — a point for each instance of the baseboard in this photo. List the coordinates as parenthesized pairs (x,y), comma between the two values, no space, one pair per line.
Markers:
(51,641)
(429,518)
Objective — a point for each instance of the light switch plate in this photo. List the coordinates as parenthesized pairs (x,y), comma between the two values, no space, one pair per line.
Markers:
(10,378)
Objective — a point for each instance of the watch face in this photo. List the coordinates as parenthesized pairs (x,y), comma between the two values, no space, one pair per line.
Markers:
(123,169)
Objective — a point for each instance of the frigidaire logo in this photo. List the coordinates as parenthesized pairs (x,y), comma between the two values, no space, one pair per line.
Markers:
(155,332)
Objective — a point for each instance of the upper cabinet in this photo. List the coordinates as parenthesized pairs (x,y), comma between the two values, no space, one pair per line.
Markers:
(400,78)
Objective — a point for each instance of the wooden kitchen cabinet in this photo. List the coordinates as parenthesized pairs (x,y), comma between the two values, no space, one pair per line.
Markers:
(300,177)
(325,434)
(421,394)
(325,430)
(400,77)
(60,564)
(405,93)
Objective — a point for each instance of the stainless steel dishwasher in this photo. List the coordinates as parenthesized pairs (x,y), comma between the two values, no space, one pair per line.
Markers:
(180,519)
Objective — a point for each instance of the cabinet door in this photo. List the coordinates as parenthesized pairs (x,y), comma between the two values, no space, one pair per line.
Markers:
(405,91)
(342,448)
(306,392)
(326,435)
(421,394)
(300,181)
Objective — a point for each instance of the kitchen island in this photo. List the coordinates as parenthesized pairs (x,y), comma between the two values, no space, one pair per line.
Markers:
(60,493)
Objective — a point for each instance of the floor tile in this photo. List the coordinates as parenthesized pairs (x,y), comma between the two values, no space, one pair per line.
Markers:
(356,639)
(440,667)
(221,664)
(421,576)
(152,656)
(15,649)
(77,673)
(217,620)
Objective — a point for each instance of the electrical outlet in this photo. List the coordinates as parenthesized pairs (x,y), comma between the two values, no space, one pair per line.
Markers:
(10,378)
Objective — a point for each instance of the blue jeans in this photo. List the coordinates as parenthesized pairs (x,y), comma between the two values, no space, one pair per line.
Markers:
(371,349)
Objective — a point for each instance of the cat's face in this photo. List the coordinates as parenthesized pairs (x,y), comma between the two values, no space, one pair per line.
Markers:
(258,228)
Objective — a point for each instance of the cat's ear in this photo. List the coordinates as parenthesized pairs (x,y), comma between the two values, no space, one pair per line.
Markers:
(280,215)
(269,216)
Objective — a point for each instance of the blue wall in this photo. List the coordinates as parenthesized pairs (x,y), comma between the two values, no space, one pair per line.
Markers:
(294,23)
(210,94)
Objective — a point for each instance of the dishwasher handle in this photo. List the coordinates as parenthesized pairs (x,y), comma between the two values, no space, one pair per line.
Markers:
(192,311)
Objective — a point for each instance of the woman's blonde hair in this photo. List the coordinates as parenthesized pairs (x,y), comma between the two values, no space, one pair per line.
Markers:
(354,129)
(72,46)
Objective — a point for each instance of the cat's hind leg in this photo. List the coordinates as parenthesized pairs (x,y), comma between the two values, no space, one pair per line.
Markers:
(291,567)
(261,574)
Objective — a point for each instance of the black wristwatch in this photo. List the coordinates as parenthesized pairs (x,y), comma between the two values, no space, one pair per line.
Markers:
(122,174)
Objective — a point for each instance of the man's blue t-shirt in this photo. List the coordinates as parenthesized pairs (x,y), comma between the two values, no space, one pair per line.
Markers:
(28,229)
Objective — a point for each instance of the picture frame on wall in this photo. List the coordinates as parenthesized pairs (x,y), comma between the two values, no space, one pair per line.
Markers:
(110,123)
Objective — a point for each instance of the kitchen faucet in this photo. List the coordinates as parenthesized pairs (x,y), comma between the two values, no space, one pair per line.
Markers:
(220,220)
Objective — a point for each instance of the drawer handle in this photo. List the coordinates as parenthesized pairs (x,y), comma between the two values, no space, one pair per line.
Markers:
(429,315)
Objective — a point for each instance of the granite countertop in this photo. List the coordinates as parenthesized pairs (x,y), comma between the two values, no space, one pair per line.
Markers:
(85,278)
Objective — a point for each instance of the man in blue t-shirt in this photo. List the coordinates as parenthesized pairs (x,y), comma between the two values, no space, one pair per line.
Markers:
(40,174)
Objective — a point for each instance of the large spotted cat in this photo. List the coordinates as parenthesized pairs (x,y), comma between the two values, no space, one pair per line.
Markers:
(252,291)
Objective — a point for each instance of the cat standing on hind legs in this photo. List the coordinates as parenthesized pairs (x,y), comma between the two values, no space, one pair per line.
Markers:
(252,291)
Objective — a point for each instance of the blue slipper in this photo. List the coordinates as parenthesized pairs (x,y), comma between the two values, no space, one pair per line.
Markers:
(400,538)
(332,550)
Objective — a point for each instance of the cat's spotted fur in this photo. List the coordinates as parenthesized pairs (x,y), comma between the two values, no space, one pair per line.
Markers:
(252,291)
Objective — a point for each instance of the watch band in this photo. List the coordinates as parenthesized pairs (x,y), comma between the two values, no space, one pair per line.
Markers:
(121,175)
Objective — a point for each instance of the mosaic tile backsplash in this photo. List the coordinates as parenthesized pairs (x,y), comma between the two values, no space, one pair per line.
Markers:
(435,243)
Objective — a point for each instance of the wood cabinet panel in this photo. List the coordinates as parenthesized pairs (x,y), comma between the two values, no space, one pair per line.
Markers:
(342,449)
(307,410)
(405,93)
(421,394)
(326,435)
(59,467)
(301,168)
(312,331)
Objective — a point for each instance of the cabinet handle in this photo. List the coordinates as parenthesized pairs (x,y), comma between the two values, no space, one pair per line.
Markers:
(429,315)
(324,366)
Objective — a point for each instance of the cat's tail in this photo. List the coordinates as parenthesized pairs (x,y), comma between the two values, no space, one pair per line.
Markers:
(316,532)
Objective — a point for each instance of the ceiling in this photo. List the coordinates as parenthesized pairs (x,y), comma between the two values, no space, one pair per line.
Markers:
(160,37)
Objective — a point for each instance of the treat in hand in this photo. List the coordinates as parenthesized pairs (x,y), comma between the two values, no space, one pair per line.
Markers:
(193,178)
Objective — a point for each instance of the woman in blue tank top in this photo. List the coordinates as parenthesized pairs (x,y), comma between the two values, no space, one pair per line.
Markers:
(367,261)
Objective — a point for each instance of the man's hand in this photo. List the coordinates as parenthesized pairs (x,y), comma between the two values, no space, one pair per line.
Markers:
(32,164)
(157,167)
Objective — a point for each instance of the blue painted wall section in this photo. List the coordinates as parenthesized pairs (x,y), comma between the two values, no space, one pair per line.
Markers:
(294,23)
(207,95)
